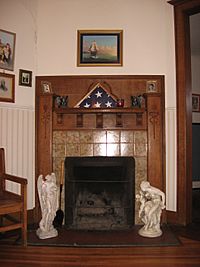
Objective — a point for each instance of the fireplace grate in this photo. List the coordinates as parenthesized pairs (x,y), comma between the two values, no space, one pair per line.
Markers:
(99,193)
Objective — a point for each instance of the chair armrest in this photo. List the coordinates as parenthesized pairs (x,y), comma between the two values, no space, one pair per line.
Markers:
(15,179)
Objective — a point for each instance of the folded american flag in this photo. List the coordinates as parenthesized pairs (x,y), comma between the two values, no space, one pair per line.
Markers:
(98,97)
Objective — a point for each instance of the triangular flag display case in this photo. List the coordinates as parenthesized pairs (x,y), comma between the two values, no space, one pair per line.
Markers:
(98,97)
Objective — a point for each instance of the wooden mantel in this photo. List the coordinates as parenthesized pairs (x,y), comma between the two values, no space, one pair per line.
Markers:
(149,118)
(99,112)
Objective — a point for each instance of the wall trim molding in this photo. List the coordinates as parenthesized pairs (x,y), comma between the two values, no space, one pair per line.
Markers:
(11,106)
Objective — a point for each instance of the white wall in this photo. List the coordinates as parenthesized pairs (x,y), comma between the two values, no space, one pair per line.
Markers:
(20,17)
(148,37)
(17,129)
(47,44)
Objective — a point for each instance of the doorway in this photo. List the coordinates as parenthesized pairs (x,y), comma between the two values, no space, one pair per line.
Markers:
(183,10)
(195,81)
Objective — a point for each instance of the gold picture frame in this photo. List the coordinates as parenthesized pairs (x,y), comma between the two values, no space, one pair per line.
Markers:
(7,49)
(7,87)
(46,87)
(99,48)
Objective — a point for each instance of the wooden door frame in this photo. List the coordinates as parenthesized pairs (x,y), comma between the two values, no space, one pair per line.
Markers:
(182,11)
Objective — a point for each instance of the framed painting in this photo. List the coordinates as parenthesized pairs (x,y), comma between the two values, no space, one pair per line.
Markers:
(7,87)
(195,103)
(25,77)
(99,48)
(7,50)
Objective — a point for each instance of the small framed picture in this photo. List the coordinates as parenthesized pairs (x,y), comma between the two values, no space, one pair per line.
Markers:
(7,87)
(195,103)
(7,50)
(151,87)
(99,48)
(46,87)
(25,77)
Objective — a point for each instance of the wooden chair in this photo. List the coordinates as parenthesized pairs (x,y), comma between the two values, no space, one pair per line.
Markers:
(12,204)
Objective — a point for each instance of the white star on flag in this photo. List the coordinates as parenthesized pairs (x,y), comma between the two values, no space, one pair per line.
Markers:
(86,105)
(108,104)
(98,105)
(98,94)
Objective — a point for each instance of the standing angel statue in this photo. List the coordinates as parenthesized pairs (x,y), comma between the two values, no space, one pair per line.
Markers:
(48,196)
(152,202)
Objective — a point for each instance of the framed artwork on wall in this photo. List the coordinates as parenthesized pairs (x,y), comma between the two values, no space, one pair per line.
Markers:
(7,87)
(195,103)
(25,77)
(99,48)
(151,87)
(7,49)
(46,87)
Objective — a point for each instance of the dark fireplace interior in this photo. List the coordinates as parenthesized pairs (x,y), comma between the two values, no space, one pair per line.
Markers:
(99,193)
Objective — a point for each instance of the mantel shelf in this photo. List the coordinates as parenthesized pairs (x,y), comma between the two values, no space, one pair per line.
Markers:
(99,114)
(98,110)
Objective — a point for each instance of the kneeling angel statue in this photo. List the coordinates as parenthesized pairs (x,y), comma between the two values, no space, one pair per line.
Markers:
(48,196)
(152,202)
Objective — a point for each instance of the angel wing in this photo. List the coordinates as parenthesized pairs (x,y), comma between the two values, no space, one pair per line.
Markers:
(40,183)
(56,202)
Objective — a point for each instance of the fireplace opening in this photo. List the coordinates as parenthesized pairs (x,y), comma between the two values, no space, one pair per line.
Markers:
(99,193)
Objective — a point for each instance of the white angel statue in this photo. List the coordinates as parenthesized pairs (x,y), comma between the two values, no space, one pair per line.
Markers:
(48,196)
(152,202)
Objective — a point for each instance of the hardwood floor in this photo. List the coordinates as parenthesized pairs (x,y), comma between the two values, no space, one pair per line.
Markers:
(186,254)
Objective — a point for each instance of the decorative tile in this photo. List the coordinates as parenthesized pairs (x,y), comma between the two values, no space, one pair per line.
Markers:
(72,150)
(127,136)
(99,149)
(57,168)
(113,137)
(126,149)
(99,136)
(59,137)
(112,149)
(137,207)
(140,171)
(86,137)
(86,150)
(58,150)
(140,143)
(72,137)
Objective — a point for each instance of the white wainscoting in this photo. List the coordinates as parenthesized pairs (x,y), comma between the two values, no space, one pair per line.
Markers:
(17,136)
(171,160)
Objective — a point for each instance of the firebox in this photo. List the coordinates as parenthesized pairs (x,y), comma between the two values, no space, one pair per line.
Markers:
(99,192)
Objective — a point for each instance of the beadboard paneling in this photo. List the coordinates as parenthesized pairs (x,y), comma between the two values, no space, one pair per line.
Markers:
(17,137)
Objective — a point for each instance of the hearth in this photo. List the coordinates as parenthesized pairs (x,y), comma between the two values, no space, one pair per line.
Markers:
(99,192)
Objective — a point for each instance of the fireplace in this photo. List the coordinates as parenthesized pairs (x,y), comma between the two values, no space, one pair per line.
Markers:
(112,132)
(99,192)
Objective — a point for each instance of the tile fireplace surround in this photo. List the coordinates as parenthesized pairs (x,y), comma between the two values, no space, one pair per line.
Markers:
(102,143)
(127,131)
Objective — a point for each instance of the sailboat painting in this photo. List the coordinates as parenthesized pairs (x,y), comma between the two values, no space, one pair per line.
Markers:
(99,48)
